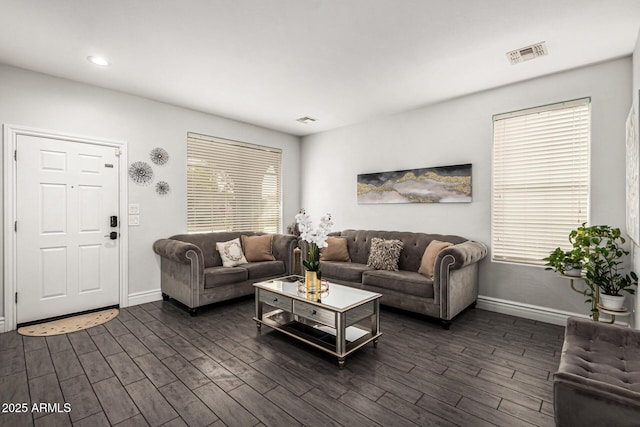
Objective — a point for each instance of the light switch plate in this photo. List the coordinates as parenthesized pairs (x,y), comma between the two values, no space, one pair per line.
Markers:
(134,220)
(134,208)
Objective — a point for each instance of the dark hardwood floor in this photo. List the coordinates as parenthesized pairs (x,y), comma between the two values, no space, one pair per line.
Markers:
(156,365)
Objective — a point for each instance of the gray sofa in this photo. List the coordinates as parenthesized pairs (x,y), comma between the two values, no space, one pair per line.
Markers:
(192,271)
(598,381)
(453,287)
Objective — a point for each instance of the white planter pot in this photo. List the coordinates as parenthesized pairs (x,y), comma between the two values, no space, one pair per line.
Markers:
(612,302)
(573,271)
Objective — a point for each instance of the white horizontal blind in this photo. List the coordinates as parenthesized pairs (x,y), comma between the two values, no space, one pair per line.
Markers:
(232,186)
(540,183)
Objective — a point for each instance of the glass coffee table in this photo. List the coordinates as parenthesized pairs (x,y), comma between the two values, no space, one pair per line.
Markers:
(338,320)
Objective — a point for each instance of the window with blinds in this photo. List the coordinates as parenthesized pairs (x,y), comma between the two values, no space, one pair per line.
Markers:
(540,185)
(232,186)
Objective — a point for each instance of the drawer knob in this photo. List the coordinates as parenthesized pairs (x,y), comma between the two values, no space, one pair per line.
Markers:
(314,312)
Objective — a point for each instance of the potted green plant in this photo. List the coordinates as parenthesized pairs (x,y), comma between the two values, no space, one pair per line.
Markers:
(568,263)
(603,251)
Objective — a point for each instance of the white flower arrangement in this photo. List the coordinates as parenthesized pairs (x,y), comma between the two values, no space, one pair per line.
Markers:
(316,238)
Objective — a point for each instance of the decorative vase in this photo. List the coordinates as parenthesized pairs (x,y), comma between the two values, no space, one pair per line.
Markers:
(311,281)
(612,302)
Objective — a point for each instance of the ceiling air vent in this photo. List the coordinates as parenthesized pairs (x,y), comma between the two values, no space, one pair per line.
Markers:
(306,119)
(527,53)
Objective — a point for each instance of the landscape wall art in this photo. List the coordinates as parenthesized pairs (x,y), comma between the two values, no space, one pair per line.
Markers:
(443,184)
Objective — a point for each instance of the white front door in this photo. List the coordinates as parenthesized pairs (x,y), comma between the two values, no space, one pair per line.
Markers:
(66,192)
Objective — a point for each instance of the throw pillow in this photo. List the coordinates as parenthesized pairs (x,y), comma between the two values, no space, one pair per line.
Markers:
(384,254)
(258,248)
(336,250)
(429,258)
(231,253)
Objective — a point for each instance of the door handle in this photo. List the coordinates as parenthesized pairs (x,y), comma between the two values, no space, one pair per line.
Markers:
(113,235)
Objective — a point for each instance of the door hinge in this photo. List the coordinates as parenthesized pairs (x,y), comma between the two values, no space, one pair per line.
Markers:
(15,226)
(15,155)
(16,297)
(118,152)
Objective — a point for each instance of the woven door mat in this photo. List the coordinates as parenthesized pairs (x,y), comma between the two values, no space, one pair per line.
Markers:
(69,324)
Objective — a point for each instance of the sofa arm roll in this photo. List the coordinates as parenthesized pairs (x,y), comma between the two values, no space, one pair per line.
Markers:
(282,247)
(462,254)
(178,251)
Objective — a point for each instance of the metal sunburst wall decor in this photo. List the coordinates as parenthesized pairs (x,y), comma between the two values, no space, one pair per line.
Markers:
(163,188)
(141,173)
(159,156)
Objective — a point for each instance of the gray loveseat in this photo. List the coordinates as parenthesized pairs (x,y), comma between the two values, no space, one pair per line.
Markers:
(453,287)
(192,271)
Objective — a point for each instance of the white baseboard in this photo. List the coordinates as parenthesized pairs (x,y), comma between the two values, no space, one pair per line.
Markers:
(528,311)
(145,297)
(2,324)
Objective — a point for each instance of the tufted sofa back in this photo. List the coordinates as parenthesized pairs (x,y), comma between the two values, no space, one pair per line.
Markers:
(359,244)
(207,243)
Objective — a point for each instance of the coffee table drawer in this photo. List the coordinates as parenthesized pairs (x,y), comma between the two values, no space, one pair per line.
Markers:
(313,312)
(275,300)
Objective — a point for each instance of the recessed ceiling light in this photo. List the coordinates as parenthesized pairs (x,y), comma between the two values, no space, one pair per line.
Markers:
(306,120)
(98,60)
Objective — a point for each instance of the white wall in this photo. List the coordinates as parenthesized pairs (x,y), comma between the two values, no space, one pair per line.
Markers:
(45,102)
(635,93)
(460,131)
